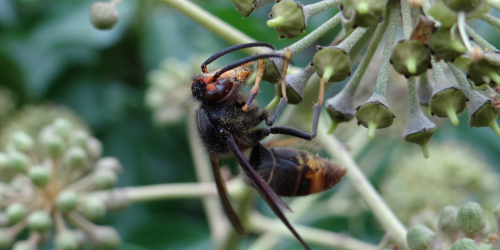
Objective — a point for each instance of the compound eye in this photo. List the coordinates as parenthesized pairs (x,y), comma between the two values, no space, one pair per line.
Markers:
(221,89)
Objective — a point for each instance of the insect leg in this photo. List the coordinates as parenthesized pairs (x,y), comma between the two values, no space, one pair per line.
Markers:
(255,89)
(231,49)
(221,188)
(284,99)
(316,112)
(243,61)
(273,200)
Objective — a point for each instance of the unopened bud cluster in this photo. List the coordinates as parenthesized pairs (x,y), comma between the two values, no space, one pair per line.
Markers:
(458,228)
(44,181)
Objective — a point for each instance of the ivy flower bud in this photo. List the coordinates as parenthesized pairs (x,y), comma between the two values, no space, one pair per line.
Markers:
(419,130)
(462,5)
(24,245)
(15,212)
(67,240)
(39,175)
(80,138)
(6,238)
(22,141)
(410,58)
(340,108)
(94,147)
(18,162)
(288,19)
(39,221)
(75,157)
(67,200)
(470,219)
(104,238)
(448,102)
(464,244)
(362,13)
(295,85)
(442,13)
(246,7)
(375,114)
(103,15)
(419,237)
(62,127)
(93,209)
(104,178)
(54,144)
(109,163)
(446,222)
(446,44)
(332,64)
(485,71)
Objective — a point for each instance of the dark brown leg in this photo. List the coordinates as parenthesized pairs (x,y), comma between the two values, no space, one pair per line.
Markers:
(221,188)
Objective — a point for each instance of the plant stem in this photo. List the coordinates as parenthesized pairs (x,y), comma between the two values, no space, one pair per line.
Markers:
(495,22)
(479,40)
(494,3)
(352,39)
(463,33)
(204,174)
(161,192)
(324,238)
(303,43)
(383,74)
(311,10)
(214,24)
(381,211)
(406,19)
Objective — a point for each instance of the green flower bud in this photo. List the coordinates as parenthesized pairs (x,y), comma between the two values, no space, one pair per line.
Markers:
(340,108)
(464,244)
(19,162)
(6,238)
(54,144)
(67,240)
(419,237)
(446,219)
(332,64)
(362,13)
(375,114)
(295,85)
(485,71)
(93,209)
(23,245)
(103,15)
(15,212)
(109,163)
(94,147)
(419,130)
(480,10)
(39,221)
(424,90)
(482,113)
(22,141)
(67,200)
(104,238)
(441,12)
(80,138)
(410,58)
(104,179)
(272,74)
(446,44)
(75,157)
(62,127)
(246,7)
(288,19)
(470,219)
(448,102)
(39,175)
(462,5)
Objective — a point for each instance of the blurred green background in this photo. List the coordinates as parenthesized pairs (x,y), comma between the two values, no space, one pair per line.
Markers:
(50,53)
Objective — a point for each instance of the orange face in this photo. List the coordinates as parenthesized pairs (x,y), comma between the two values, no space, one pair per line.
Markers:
(205,89)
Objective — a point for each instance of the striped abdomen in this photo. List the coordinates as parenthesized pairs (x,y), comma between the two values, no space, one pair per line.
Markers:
(292,172)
